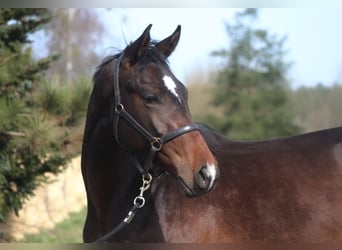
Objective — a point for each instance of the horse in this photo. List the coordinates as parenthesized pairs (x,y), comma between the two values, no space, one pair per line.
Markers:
(139,126)
(286,190)
(281,190)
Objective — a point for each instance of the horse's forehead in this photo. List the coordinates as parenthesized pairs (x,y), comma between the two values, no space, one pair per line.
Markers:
(171,85)
(163,78)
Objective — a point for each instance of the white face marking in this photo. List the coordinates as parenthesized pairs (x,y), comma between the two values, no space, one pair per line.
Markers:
(171,85)
(212,172)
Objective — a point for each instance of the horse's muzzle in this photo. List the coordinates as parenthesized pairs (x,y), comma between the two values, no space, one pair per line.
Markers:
(204,181)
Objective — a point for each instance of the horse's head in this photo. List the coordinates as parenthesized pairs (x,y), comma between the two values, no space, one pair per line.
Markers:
(152,114)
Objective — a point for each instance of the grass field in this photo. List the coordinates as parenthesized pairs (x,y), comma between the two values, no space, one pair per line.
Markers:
(67,231)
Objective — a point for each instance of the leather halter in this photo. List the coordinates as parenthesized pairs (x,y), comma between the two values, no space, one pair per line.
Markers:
(156,145)
(155,142)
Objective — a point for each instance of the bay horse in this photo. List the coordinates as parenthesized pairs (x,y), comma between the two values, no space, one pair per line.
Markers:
(138,126)
(282,190)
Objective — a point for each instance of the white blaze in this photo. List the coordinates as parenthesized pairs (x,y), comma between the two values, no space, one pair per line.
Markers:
(171,85)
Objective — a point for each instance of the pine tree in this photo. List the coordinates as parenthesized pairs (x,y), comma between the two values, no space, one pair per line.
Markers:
(30,142)
(252,85)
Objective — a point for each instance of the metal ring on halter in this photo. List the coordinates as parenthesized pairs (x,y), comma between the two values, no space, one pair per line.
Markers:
(119,107)
(147,178)
(156,144)
(140,200)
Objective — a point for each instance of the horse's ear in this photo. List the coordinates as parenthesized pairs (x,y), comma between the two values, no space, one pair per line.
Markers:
(137,49)
(168,45)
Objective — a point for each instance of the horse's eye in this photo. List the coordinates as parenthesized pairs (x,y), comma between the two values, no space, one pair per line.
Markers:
(151,99)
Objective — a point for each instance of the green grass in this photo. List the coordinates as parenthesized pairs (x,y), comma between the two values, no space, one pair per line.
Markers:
(67,231)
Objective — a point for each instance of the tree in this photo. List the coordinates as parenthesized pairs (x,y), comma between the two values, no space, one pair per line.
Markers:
(252,85)
(317,107)
(73,34)
(31,142)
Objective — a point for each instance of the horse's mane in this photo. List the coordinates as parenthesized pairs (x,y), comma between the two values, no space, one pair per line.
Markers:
(213,138)
(152,55)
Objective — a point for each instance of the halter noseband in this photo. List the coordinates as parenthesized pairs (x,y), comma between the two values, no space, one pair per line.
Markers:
(155,142)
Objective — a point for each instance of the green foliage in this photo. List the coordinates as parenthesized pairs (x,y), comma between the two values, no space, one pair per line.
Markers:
(80,93)
(53,98)
(252,85)
(68,100)
(39,139)
(39,118)
(317,107)
(314,108)
(18,71)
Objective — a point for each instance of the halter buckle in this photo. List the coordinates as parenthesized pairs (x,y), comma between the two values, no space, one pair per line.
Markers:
(156,144)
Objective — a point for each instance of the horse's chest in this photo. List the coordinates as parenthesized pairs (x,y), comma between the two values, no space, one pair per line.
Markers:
(181,223)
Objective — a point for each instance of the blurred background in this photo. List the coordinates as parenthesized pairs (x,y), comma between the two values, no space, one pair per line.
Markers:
(252,74)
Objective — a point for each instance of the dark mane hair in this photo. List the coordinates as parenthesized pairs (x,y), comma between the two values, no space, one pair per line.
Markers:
(152,55)
(105,62)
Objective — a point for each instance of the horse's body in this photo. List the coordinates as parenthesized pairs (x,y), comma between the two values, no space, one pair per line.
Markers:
(286,189)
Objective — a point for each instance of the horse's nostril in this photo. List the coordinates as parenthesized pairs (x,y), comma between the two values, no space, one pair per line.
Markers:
(203,175)
(203,178)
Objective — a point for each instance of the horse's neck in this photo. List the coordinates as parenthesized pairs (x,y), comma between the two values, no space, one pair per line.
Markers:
(127,177)
(107,167)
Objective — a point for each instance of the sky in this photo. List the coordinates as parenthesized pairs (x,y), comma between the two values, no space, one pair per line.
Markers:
(314,37)
(313,42)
